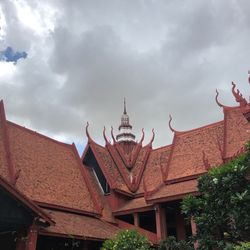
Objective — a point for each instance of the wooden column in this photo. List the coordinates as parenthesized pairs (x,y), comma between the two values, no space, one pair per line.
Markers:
(161,227)
(21,240)
(32,237)
(136,220)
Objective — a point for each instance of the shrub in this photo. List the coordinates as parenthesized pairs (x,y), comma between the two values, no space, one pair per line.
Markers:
(127,240)
(171,244)
(243,246)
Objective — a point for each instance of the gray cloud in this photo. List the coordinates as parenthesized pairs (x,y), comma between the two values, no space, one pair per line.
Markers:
(163,56)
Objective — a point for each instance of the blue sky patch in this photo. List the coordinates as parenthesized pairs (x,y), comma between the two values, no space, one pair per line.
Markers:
(9,55)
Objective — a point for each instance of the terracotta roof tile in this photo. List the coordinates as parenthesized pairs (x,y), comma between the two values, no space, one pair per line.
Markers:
(175,190)
(25,201)
(110,168)
(50,172)
(140,162)
(79,226)
(133,205)
(152,173)
(237,131)
(188,148)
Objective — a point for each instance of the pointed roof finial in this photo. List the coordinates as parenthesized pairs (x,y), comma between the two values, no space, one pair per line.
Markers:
(238,96)
(125,110)
(217,100)
(170,126)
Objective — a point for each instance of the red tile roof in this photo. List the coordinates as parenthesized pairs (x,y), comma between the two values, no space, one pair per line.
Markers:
(134,204)
(109,167)
(79,226)
(186,158)
(25,201)
(168,192)
(237,130)
(152,174)
(49,170)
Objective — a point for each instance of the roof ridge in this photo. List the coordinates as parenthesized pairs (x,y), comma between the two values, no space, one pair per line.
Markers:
(39,134)
(143,167)
(166,146)
(165,173)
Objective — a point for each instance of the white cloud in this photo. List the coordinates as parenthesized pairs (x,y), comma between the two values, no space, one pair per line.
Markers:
(85,56)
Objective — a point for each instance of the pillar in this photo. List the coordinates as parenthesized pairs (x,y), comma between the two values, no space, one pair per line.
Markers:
(32,237)
(21,240)
(161,227)
(136,220)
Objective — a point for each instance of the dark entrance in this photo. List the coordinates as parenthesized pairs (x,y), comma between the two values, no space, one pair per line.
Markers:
(177,225)
(60,243)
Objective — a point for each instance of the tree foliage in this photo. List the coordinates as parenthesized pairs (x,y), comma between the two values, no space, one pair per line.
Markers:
(172,244)
(127,240)
(222,211)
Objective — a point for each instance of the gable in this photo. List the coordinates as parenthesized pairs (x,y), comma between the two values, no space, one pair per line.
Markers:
(91,162)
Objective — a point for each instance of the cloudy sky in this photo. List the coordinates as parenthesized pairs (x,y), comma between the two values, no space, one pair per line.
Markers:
(63,63)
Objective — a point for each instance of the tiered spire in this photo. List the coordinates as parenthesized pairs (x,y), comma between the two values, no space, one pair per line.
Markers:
(125,128)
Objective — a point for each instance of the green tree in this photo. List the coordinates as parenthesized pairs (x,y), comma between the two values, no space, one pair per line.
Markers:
(172,244)
(127,240)
(222,211)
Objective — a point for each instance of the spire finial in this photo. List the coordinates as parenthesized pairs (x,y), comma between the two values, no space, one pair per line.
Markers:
(125,128)
(125,110)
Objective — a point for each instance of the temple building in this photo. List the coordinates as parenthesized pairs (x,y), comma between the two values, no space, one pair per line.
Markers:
(52,198)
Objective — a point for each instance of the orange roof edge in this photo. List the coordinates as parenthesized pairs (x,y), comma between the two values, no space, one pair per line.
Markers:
(39,134)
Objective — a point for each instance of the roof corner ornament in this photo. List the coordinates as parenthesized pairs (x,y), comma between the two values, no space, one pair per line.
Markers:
(153,137)
(249,76)
(87,132)
(170,126)
(217,99)
(238,96)
(142,138)
(112,134)
(105,137)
